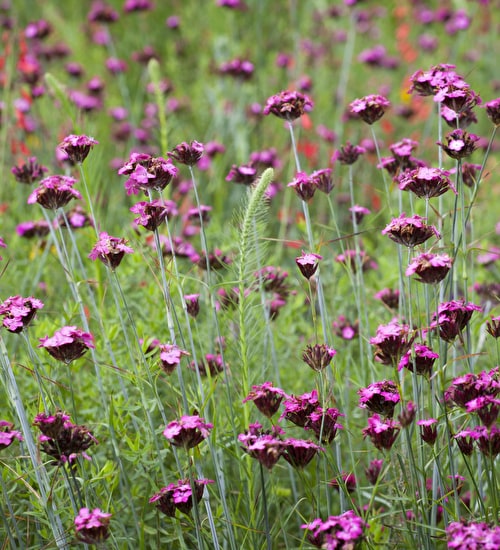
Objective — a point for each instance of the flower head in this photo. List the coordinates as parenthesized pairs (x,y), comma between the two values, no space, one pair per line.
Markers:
(179,496)
(428,430)
(67,344)
(7,434)
(380,397)
(146,173)
(323,422)
(452,317)
(305,186)
(187,153)
(244,174)
(410,231)
(92,526)
(288,105)
(430,268)
(426,182)
(493,327)
(151,214)
(29,172)
(192,304)
(374,469)
(459,143)
(187,432)
(382,433)
(348,153)
(298,408)
(476,536)
(337,532)
(266,397)
(308,263)
(18,312)
(110,250)
(319,356)
(77,147)
(493,110)
(28,230)
(370,108)
(420,360)
(54,192)
(170,357)
(299,452)
(391,342)
(265,446)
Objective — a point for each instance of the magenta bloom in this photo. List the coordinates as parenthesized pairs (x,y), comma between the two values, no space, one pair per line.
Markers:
(493,110)
(370,108)
(476,536)
(348,480)
(337,532)
(374,470)
(54,192)
(410,231)
(298,408)
(428,430)
(18,312)
(265,446)
(426,182)
(187,153)
(305,186)
(308,263)
(179,496)
(388,296)
(471,386)
(170,357)
(131,6)
(391,342)
(237,68)
(110,250)
(146,173)
(359,212)
(266,397)
(380,397)
(429,82)
(459,143)
(29,172)
(288,105)
(28,230)
(487,440)
(299,452)
(382,433)
(323,422)
(452,317)
(92,526)
(192,304)
(102,13)
(493,327)
(348,153)
(152,214)
(77,147)
(319,356)
(430,268)
(244,174)
(67,344)
(7,434)
(486,407)
(458,97)
(61,439)
(422,361)
(188,432)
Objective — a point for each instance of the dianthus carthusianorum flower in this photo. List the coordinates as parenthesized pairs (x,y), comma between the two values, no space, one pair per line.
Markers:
(323,422)
(77,147)
(179,496)
(265,446)
(370,108)
(419,360)
(266,398)
(170,357)
(54,192)
(452,317)
(382,433)
(187,432)
(380,397)
(493,110)
(319,356)
(110,250)
(298,408)
(430,268)
(7,434)
(61,439)
(410,231)
(473,536)
(67,344)
(29,172)
(299,452)
(391,342)
(426,182)
(493,327)
(471,386)
(459,143)
(288,105)
(348,153)
(146,172)
(92,526)
(18,312)
(308,263)
(336,532)
(187,153)
(152,214)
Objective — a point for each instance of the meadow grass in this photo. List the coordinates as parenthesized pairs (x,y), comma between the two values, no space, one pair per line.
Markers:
(296,343)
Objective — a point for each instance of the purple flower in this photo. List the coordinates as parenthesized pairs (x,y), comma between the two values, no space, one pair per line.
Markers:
(470,386)
(390,297)
(102,13)
(319,356)
(308,263)
(487,439)
(265,446)
(152,214)
(380,397)
(179,496)
(305,186)
(407,414)
(429,82)
(187,153)
(426,182)
(370,108)
(92,526)
(409,231)
(267,158)
(67,344)
(493,110)
(452,317)
(473,536)
(7,434)
(76,218)
(337,532)
(266,397)
(232,4)
(430,268)
(288,105)
(359,212)
(486,407)
(348,481)
(298,408)
(428,430)
(146,173)
(188,432)
(192,304)
(39,228)
(391,342)
(61,439)
(237,68)
(323,422)
(350,258)
(29,172)
(344,328)
(212,364)
(244,174)
(137,6)
(170,357)
(420,360)
(493,327)
(54,192)
(77,147)
(348,153)
(110,250)
(374,470)
(459,143)
(18,312)
(382,433)
(323,180)
(299,452)
(458,97)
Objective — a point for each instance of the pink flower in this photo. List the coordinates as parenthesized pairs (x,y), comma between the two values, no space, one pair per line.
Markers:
(67,344)
(92,526)
(187,432)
